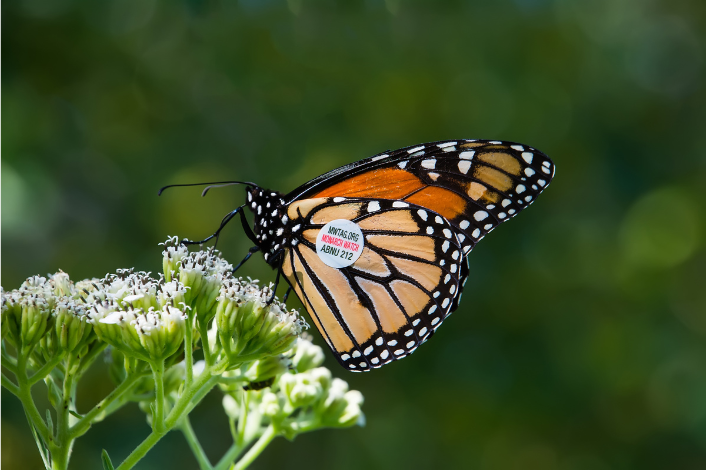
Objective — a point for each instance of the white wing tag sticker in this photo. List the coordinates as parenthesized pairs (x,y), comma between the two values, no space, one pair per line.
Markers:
(340,243)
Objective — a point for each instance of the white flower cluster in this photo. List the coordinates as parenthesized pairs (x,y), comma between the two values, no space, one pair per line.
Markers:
(48,310)
(139,315)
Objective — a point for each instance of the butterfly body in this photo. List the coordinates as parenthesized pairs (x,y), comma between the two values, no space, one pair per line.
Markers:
(420,211)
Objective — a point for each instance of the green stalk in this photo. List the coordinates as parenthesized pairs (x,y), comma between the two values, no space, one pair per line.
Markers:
(88,359)
(88,419)
(61,454)
(203,330)
(190,435)
(45,369)
(189,350)
(12,388)
(256,449)
(231,454)
(25,396)
(9,362)
(158,412)
(183,406)
(140,451)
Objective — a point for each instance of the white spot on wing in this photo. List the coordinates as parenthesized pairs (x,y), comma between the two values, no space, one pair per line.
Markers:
(464,166)
(527,156)
(429,163)
(445,144)
(415,149)
(480,215)
(400,204)
(402,164)
(520,188)
(423,214)
(379,157)
(517,147)
(373,206)
(464,224)
(468,155)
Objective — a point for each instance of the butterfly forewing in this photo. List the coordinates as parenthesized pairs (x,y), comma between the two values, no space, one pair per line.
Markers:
(406,281)
(475,184)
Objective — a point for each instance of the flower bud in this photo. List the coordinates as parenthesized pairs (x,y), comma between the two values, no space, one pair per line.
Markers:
(71,325)
(247,326)
(173,253)
(30,320)
(231,407)
(306,355)
(162,332)
(61,283)
(341,408)
(113,326)
(203,273)
(271,405)
(301,389)
(267,368)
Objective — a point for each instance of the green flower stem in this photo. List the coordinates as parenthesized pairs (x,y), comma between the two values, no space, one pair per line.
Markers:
(256,449)
(140,451)
(158,416)
(203,330)
(61,453)
(11,387)
(231,454)
(45,369)
(190,435)
(88,359)
(184,405)
(8,362)
(25,396)
(89,418)
(189,350)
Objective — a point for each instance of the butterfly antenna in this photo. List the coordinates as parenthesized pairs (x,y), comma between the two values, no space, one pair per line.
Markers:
(213,184)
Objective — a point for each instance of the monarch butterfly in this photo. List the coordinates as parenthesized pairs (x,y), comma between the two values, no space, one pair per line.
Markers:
(376,250)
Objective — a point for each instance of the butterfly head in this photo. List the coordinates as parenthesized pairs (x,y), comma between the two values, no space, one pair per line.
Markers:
(270,225)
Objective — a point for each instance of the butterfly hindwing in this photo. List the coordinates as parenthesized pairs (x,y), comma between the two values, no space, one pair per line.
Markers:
(406,281)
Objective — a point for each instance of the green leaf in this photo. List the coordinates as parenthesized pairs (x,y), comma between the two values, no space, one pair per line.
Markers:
(43,450)
(50,423)
(107,464)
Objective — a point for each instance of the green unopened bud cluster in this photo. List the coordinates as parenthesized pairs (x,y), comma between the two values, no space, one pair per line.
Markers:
(250,328)
(303,398)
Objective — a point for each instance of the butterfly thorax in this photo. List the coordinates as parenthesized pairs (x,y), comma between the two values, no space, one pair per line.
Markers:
(270,225)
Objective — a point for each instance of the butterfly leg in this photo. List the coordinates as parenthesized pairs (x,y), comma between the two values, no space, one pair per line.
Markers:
(274,288)
(286,294)
(252,250)
(243,221)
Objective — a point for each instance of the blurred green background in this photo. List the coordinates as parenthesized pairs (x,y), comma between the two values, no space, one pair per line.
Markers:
(580,342)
